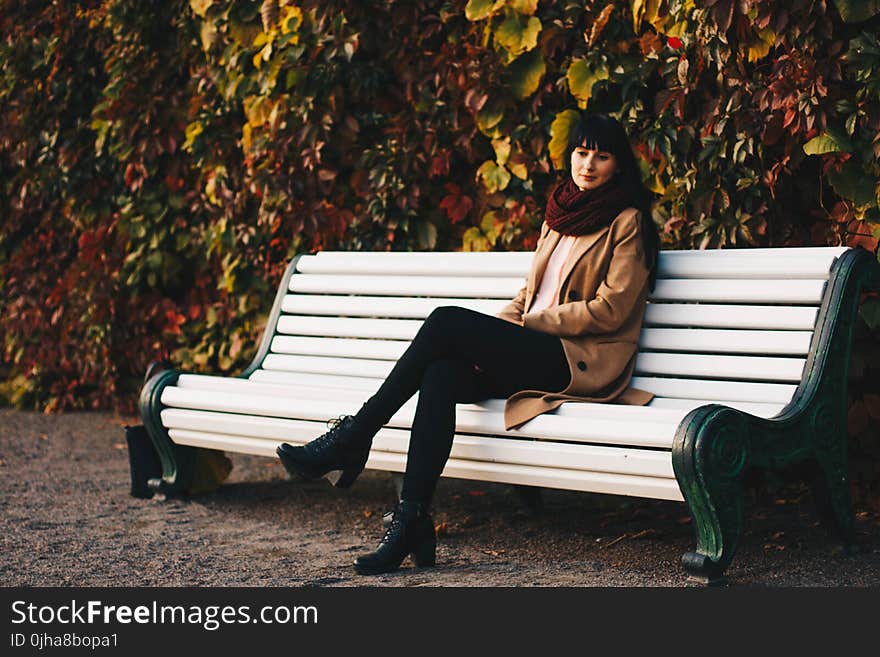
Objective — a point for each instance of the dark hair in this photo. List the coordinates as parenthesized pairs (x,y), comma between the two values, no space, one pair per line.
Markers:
(604,133)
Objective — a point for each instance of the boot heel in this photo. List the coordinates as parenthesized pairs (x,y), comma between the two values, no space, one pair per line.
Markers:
(425,555)
(350,472)
(334,476)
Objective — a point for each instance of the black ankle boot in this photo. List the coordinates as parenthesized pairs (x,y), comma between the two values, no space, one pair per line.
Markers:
(340,454)
(410,532)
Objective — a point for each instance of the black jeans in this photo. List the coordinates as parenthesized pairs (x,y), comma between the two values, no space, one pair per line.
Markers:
(440,364)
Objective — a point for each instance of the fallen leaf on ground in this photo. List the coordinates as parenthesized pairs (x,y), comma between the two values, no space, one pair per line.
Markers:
(368,513)
(494,553)
(270,464)
(771,546)
(476,493)
(440,530)
(44,436)
(118,445)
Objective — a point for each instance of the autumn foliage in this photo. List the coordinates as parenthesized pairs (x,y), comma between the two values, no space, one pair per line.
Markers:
(160,163)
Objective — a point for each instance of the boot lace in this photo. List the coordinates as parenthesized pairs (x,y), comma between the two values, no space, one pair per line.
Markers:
(329,439)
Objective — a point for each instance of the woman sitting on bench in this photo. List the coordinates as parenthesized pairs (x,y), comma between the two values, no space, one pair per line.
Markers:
(571,334)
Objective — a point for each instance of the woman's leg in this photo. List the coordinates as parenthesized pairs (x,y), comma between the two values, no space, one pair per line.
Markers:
(540,363)
(444,354)
(511,357)
(444,384)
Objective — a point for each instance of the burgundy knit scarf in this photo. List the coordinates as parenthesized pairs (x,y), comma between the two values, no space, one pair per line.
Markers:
(573,212)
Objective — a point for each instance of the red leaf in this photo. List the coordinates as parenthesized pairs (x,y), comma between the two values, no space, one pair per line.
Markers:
(456,206)
(674,42)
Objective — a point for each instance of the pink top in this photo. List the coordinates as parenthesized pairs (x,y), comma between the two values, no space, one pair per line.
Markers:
(548,290)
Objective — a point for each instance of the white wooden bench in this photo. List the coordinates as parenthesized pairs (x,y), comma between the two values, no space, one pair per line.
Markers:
(746,351)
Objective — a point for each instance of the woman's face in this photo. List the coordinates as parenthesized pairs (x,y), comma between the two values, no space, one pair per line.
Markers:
(591,168)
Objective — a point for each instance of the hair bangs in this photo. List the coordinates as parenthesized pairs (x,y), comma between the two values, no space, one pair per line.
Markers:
(592,133)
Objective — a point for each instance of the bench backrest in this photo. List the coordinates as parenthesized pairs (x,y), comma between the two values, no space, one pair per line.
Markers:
(729,326)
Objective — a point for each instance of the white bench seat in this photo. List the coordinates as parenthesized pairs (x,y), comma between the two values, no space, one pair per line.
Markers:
(732,347)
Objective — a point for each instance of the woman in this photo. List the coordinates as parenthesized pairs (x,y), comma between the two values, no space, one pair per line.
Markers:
(570,334)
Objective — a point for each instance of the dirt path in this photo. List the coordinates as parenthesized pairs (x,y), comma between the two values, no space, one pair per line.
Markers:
(67,519)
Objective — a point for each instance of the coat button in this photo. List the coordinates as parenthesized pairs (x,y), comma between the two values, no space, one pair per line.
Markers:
(573,295)
(582,366)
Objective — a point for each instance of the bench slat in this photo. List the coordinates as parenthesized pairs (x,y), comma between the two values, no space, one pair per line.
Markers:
(698,340)
(733,316)
(664,387)
(739,291)
(350,327)
(372,306)
(467,264)
(304,391)
(421,286)
(341,347)
(795,343)
(678,289)
(648,463)
(656,314)
(754,408)
(744,391)
(594,482)
(629,432)
(740,317)
(739,263)
(367,386)
(751,368)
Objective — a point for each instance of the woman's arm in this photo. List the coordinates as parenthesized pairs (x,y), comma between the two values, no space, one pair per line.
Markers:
(615,298)
(513,312)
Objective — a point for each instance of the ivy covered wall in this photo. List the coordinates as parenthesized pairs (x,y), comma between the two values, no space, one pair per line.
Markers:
(160,163)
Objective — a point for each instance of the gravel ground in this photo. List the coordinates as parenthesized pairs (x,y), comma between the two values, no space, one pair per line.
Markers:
(68,520)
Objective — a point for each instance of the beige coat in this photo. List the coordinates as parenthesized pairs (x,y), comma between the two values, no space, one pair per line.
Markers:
(602,301)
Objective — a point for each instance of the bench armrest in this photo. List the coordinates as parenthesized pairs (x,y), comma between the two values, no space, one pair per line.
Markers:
(714,444)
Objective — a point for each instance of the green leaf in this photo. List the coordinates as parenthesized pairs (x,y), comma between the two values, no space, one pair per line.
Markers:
(516,38)
(526,72)
(193,130)
(488,118)
(560,132)
(474,240)
(493,176)
(426,234)
(477,10)
(527,7)
(856,11)
(581,79)
(830,141)
(852,183)
(502,150)
(759,49)
(208,34)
